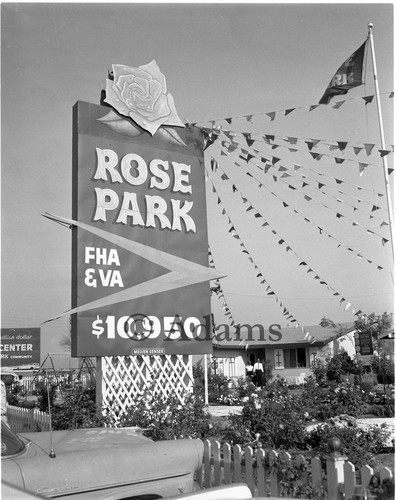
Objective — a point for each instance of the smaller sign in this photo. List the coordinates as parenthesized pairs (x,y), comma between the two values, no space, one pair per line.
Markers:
(365,343)
(20,347)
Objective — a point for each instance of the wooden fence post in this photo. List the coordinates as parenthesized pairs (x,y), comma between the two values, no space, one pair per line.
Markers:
(335,470)
(261,473)
(207,464)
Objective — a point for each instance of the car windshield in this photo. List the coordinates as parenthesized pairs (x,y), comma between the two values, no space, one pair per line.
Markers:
(11,444)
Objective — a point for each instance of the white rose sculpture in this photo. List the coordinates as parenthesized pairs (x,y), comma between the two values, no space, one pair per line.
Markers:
(141,94)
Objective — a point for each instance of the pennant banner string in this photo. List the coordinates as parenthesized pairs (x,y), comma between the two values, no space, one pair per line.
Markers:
(286,112)
(259,275)
(233,146)
(292,173)
(268,139)
(309,221)
(339,215)
(316,155)
(281,240)
(263,281)
(220,294)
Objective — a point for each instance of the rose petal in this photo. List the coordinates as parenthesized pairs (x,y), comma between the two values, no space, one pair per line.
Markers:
(128,79)
(119,125)
(161,108)
(143,85)
(150,126)
(173,118)
(153,69)
(114,99)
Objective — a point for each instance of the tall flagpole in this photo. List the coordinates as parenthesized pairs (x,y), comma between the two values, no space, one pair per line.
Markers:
(384,159)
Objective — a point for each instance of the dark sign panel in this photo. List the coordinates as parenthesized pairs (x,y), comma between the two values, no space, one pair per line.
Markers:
(20,347)
(140,244)
(365,343)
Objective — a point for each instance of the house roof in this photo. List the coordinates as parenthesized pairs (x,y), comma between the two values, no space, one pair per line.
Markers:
(304,336)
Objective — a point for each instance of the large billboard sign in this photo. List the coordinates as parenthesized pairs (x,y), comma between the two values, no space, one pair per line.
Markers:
(140,281)
(20,347)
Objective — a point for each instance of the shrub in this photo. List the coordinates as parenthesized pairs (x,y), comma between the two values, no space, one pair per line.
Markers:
(275,415)
(79,410)
(339,365)
(166,418)
(383,366)
(291,476)
(218,384)
(359,445)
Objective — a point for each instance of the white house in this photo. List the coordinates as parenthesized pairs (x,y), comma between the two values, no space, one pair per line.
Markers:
(290,351)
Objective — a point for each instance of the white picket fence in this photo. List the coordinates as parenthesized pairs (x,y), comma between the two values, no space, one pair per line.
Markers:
(224,464)
(25,420)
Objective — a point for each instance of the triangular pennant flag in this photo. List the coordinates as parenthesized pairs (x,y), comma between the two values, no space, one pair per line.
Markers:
(342,145)
(390,170)
(391,95)
(293,150)
(314,106)
(213,164)
(368,99)
(384,152)
(339,160)
(274,146)
(292,140)
(287,111)
(304,184)
(338,104)
(307,198)
(275,160)
(368,148)
(338,181)
(285,204)
(357,150)
(375,208)
(224,177)
(228,120)
(332,147)
(310,144)
(269,137)
(316,156)
(282,169)
(249,118)
(384,240)
(284,175)
(338,215)
(362,167)
(296,166)
(271,115)
(266,168)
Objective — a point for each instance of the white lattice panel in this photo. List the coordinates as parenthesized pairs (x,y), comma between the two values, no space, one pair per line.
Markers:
(125,377)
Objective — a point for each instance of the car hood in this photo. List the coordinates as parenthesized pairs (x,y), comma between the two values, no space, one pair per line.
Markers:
(96,459)
(86,439)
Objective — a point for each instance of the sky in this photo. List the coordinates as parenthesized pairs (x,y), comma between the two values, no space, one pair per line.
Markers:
(220,61)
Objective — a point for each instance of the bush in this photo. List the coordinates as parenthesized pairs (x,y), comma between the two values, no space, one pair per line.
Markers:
(272,413)
(359,445)
(79,410)
(340,365)
(166,418)
(218,384)
(335,399)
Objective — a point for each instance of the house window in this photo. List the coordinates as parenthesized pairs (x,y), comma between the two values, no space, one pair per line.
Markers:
(295,358)
(226,366)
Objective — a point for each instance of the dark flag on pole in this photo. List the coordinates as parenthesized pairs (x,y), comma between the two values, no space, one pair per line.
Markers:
(348,75)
